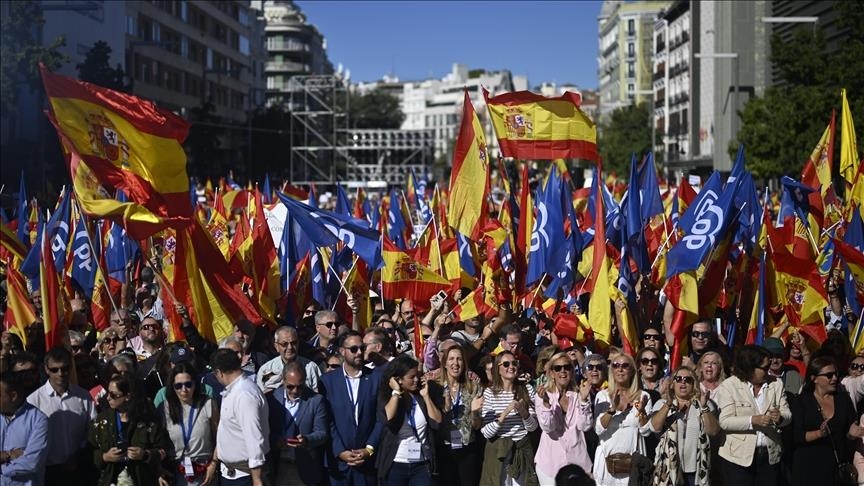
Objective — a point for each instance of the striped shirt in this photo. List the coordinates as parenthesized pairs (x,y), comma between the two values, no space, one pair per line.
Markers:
(514,426)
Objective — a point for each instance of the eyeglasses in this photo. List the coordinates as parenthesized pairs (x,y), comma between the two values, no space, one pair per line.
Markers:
(650,337)
(857,366)
(113,340)
(293,387)
(830,375)
(700,334)
(184,384)
(355,349)
(286,344)
(649,361)
(149,327)
(115,396)
(332,366)
(509,364)
(621,366)
(594,367)
(58,369)
(331,325)
(684,379)
(560,368)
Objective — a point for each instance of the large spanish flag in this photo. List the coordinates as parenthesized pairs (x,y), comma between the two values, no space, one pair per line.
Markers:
(800,292)
(599,304)
(473,305)
(404,278)
(467,210)
(817,169)
(530,126)
(121,141)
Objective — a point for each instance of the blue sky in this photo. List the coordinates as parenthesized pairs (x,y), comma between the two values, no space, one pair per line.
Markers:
(547,41)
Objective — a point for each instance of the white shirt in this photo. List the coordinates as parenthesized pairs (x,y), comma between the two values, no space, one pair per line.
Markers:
(243,426)
(760,405)
(353,387)
(274,367)
(410,449)
(68,417)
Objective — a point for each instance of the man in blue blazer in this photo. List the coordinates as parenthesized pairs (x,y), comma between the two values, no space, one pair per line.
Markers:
(298,430)
(351,393)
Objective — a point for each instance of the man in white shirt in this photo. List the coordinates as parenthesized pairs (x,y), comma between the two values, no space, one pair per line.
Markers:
(287,344)
(242,438)
(69,409)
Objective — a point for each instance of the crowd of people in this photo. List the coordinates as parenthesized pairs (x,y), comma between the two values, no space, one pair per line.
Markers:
(477,403)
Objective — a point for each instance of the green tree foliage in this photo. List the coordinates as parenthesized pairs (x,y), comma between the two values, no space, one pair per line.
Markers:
(21,51)
(97,70)
(626,132)
(375,109)
(203,141)
(780,128)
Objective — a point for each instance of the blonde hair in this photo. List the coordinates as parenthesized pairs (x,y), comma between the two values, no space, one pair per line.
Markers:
(444,380)
(551,385)
(543,358)
(720,377)
(670,393)
(634,392)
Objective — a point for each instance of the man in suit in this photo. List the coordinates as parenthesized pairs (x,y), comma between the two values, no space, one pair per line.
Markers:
(298,430)
(352,393)
(752,411)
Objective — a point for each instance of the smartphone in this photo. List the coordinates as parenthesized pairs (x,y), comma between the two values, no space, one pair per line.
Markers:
(292,440)
(441,295)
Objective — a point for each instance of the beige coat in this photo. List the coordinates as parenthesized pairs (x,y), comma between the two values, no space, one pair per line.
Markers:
(737,404)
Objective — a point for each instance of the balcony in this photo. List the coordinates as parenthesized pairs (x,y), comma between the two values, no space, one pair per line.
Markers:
(285,67)
(661,46)
(287,47)
(660,73)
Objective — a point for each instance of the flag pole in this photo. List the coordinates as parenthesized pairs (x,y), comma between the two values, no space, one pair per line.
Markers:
(98,260)
(341,285)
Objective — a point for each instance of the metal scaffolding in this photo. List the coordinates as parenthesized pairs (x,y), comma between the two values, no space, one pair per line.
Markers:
(379,157)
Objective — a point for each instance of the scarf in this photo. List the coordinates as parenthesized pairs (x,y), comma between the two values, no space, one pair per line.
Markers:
(667,462)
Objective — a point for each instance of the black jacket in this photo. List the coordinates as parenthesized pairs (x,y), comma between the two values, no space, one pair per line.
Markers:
(389,443)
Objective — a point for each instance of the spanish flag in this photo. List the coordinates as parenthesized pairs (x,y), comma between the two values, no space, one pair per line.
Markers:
(467,211)
(20,313)
(53,311)
(817,169)
(10,246)
(122,141)
(599,305)
(533,127)
(404,278)
(848,144)
(800,292)
(473,305)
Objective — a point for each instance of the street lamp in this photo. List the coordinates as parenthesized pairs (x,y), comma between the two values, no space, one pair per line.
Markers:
(734,57)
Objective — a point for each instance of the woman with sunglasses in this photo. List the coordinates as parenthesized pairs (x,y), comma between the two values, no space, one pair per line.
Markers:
(564,414)
(109,345)
(406,454)
(622,422)
(191,418)
(333,362)
(129,441)
(685,420)
(650,373)
(823,424)
(462,399)
(508,417)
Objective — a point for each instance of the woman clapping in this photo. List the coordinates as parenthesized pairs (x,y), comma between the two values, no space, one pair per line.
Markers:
(463,400)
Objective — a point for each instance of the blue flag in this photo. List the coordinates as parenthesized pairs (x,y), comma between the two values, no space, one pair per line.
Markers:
(395,221)
(634,224)
(319,279)
(115,254)
(466,259)
(83,259)
(794,201)
(326,228)
(749,213)
(548,229)
(626,278)
(267,190)
(374,212)
(23,214)
(854,237)
(30,265)
(704,223)
(737,166)
(58,232)
(343,207)
(649,190)
(420,194)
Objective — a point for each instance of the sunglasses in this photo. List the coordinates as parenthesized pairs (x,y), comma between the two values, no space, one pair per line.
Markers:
(509,364)
(116,396)
(650,337)
(684,379)
(830,375)
(594,367)
(355,349)
(58,369)
(332,366)
(113,340)
(700,334)
(560,368)
(649,361)
(293,387)
(331,325)
(856,366)
(149,327)
(286,344)
(621,366)
(184,384)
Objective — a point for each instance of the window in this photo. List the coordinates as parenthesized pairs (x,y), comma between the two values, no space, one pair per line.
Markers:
(631,69)
(631,88)
(184,11)
(209,58)
(157,32)
(631,49)
(184,46)
(131,25)
(631,27)
(243,17)
(244,45)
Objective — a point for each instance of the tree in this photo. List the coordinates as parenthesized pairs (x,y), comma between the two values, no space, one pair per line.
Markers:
(21,51)
(97,70)
(375,109)
(780,128)
(626,132)
(203,141)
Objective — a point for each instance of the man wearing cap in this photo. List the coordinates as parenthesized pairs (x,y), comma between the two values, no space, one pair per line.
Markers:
(792,380)
(287,343)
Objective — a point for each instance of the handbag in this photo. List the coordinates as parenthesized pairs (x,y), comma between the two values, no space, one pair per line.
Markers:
(845,474)
(619,463)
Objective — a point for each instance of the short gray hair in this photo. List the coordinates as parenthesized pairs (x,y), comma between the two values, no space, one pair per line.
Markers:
(294,367)
(76,336)
(224,342)
(288,329)
(322,316)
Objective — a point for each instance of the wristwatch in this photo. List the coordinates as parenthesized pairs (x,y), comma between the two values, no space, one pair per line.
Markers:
(370,450)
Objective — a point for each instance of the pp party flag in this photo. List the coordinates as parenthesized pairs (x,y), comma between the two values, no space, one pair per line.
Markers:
(404,278)
(533,127)
(119,140)
(848,144)
(467,210)
(854,259)
(599,315)
(396,221)
(83,265)
(794,201)
(325,228)
(634,224)
(817,169)
(473,305)
(651,203)
(548,229)
(466,256)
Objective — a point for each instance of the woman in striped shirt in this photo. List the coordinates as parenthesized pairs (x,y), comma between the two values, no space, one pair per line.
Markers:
(508,416)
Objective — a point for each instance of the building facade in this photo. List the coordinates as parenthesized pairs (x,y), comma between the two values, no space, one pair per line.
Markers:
(625,57)
(294,47)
